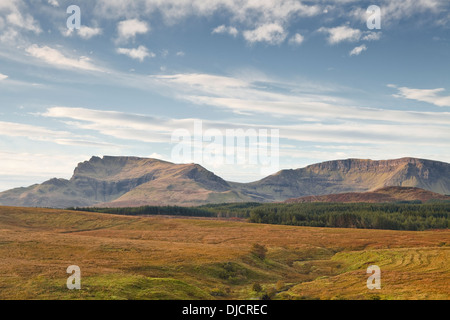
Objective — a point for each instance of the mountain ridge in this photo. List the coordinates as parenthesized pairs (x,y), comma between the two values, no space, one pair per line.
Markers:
(135,181)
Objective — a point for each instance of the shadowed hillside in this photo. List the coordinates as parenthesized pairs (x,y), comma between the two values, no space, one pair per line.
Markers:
(387,194)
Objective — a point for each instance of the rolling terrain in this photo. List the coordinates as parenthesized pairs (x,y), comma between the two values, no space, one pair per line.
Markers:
(383,195)
(131,182)
(163,258)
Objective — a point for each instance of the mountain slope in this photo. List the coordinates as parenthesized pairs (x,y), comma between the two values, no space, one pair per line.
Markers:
(188,184)
(386,194)
(132,181)
(124,181)
(352,175)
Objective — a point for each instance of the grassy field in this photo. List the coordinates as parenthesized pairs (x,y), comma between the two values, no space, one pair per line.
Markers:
(124,257)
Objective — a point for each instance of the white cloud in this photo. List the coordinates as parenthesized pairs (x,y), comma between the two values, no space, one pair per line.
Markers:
(87,32)
(372,36)
(12,129)
(424,95)
(66,32)
(14,20)
(84,32)
(3,76)
(9,36)
(38,133)
(342,33)
(226,30)
(249,12)
(58,59)
(271,33)
(152,129)
(140,53)
(248,97)
(393,11)
(368,138)
(53,3)
(128,29)
(297,39)
(120,125)
(180,54)
(358,50)
(26,22)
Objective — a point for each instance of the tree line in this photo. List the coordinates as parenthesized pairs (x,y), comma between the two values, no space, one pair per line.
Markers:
(152,210)
(395,216)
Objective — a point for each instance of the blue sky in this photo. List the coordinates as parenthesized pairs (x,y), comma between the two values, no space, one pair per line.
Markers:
(136,71)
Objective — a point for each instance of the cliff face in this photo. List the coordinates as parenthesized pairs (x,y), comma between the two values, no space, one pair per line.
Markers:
(126,181)
(131,181)
(103,180)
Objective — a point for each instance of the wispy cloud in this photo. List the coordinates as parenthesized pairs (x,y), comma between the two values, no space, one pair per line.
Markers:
(39,133)
(358,50)
(139,53)
(14,17)
(56,58)
(16,21)
(84,32)
(424,95)
(372,36)
(146,128)
(248,97)
(120,125)
(33,132)
(360,138)
(226,30)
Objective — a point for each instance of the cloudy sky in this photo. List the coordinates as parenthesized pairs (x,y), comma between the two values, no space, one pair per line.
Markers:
(136,71)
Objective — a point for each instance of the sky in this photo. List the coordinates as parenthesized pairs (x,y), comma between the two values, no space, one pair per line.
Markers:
(136,72)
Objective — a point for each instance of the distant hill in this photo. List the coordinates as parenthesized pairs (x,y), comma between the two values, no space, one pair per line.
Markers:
(352,175)
(386,194)
(126,181)
(132,181)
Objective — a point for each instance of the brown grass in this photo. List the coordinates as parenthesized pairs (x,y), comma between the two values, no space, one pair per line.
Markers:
(118,252)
